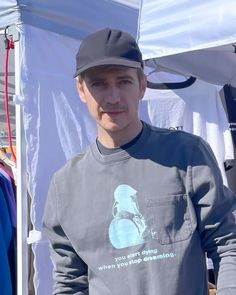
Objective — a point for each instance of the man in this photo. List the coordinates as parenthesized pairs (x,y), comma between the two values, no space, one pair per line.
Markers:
(170,204)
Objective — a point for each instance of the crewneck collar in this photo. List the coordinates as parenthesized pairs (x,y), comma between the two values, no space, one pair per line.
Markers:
(122,153)
(108,151)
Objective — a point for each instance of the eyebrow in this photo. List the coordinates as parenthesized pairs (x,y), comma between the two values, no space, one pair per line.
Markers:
(100,79)
(95,79)
(125,77)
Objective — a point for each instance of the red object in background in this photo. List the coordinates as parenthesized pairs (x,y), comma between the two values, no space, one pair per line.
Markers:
(9,44)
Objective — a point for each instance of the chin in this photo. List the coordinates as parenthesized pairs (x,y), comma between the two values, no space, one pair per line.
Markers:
(112,126)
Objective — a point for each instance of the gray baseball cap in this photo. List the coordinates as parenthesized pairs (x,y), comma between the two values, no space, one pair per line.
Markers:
(108,47)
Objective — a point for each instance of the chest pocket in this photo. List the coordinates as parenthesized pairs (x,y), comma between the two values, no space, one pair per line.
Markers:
(168,219)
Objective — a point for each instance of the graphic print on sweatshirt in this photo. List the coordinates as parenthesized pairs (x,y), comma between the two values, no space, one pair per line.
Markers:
(128,227)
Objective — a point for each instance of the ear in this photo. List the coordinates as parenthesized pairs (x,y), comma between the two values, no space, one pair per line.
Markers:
(143,86)
(80,89)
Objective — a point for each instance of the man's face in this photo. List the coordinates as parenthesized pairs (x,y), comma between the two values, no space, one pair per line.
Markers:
(112,95)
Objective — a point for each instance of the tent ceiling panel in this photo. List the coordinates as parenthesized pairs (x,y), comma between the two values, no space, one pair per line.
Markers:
(190,37)
(131,3)
(78,18)
(214,65)
(169,27)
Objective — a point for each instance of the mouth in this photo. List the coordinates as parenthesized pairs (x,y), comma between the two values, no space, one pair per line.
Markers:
(113,112)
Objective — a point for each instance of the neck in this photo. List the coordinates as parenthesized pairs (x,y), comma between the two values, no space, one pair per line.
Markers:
(112,139)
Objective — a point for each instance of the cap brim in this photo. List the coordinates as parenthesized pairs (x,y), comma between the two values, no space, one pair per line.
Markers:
(110,61)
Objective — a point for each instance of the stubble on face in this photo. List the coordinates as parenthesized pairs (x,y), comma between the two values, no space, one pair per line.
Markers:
(112,96)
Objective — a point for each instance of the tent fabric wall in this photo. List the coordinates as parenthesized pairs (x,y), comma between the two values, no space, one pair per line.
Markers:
(56,124)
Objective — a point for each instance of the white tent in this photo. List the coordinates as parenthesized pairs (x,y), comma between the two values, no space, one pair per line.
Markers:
(204,32)
(52,125)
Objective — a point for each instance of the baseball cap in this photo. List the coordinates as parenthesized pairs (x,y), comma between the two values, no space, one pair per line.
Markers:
(108,47)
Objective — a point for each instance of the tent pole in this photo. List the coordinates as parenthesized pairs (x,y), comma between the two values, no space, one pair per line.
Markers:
(22,248)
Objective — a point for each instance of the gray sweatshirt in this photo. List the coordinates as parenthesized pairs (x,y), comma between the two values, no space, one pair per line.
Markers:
(139,221)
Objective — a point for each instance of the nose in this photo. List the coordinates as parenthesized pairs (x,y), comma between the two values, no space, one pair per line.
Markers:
(113,94)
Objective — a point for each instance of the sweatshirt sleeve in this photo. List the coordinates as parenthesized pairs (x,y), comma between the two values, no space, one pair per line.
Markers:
(69,270)
(214,205)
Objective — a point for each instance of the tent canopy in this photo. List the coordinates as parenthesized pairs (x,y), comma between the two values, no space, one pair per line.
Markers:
(74,19)
(193,37)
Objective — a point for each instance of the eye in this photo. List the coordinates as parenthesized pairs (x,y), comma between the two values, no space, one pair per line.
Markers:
(97,84)
(126,82)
